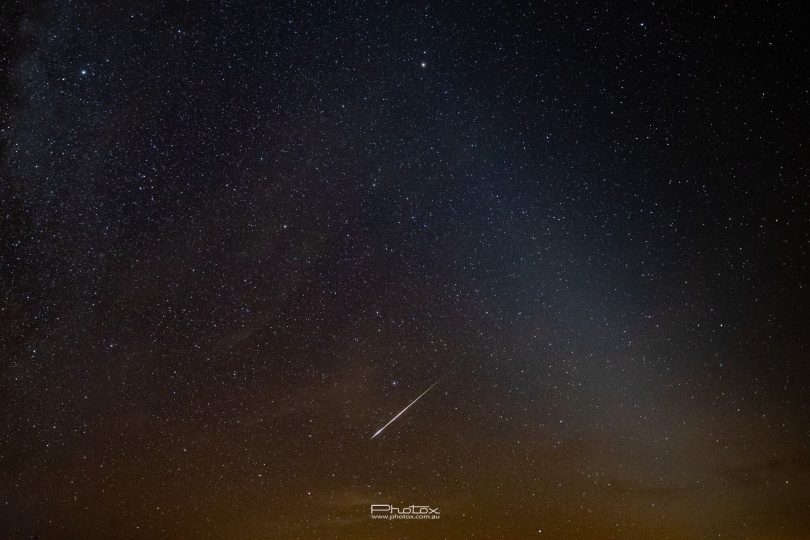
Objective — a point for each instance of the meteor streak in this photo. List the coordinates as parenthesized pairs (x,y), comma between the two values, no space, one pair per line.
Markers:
(409,405)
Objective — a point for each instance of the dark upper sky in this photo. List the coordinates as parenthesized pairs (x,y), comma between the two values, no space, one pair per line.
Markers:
(237,238)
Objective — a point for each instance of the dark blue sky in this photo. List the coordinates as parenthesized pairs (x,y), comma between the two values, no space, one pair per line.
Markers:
(238,237)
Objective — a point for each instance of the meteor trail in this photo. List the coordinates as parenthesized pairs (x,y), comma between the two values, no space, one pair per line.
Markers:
(409,406)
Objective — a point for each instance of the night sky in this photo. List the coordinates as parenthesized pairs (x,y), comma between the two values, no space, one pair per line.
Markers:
(238,238)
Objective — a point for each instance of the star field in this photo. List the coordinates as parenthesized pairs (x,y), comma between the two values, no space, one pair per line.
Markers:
(237,238)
